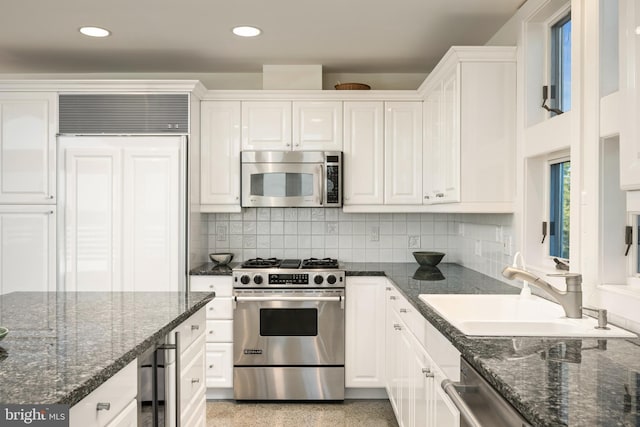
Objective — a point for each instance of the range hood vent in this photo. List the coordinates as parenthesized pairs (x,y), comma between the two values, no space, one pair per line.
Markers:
(91,114)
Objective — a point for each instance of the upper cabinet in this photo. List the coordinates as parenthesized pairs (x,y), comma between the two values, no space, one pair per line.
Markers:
(286,125)
(403,153)
(630,96)
(220,154)
(363,153)
(27,148)
(469,130)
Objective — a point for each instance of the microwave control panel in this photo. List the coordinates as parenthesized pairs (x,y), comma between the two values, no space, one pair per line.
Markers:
(333,184)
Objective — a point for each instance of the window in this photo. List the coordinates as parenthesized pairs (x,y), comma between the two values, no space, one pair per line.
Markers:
(560,78)
(559,208)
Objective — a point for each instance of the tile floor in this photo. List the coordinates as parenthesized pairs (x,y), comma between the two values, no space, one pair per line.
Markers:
(352,413)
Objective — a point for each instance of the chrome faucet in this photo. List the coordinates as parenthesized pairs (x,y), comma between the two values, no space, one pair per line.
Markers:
(570,300)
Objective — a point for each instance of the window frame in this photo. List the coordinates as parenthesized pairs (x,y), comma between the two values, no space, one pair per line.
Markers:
(553,159)
(560,17)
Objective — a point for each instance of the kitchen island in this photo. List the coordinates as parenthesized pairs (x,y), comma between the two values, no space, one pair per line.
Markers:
(550,381)
(62,346)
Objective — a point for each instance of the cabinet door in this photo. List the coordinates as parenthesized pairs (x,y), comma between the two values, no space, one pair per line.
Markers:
(365,325)
(27,248)
(449,154)
(220,153)
(219,365)
(128,417)
(266,125)
(27,148)
(392,362)
(317,125)
(445,413)
(403,153)
(363,153)
(408,377)
(433,177)
(630,95)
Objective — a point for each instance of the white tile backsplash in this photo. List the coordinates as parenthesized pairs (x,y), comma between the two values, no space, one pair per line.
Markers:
(373,237)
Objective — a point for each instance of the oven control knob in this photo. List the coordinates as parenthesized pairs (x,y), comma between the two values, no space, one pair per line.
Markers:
(331,279)
(257,279)
(245,279)
(318,279)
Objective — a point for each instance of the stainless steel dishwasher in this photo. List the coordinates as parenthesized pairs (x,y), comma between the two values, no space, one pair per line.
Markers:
(479,404)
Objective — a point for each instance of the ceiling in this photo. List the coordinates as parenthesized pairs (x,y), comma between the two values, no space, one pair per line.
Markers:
(375,36)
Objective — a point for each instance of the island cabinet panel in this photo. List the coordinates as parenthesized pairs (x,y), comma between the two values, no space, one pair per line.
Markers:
(105,404)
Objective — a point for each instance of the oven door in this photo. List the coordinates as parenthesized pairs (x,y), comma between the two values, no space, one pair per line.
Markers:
(282,184)
(288,327)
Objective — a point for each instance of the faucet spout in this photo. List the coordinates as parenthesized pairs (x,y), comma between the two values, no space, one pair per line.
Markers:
(570,300)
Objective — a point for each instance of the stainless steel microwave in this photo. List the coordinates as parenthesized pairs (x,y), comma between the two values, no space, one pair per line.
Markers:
(291,179)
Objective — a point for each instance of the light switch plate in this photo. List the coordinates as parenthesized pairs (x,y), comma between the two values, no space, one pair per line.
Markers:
(221,233)
(374,233)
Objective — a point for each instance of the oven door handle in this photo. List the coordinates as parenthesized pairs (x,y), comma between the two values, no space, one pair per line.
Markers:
(339,299)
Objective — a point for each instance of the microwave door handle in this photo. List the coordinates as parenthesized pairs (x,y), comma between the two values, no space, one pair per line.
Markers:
(321,184)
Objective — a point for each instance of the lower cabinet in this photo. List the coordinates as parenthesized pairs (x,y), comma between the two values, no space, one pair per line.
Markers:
(413,378)
(219,334)
(112,404)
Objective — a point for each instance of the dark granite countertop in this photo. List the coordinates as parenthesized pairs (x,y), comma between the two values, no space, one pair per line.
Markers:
(552,382)
(61,346)
(211,269)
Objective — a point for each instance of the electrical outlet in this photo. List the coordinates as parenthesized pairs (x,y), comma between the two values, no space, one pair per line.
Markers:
(499,234)
(461,229)
(478,248)
(374,233)
(221,233)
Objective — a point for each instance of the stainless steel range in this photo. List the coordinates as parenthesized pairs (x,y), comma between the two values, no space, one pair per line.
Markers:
(288,330)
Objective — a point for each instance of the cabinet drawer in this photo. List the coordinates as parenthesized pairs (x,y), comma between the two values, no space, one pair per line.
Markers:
(414,320)
(221,285)
(220,308)
(192,374)
(190,330)
(128,417)
(219,330)
(118,391)
(219,365)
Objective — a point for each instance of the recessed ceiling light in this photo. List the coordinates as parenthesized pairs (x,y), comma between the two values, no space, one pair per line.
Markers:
(95,31)
(246,31)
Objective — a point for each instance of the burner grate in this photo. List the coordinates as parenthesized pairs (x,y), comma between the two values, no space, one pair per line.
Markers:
(320,263)
(262,262)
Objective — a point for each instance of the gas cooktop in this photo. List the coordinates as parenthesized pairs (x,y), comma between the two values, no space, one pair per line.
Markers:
(275,272)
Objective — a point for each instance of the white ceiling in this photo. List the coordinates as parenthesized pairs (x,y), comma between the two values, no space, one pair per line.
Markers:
(376,36)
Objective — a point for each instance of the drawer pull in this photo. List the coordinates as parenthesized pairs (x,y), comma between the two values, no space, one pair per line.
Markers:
(392,298)
(195,380)
(210,308)
(427,372)
(103,406)
(403,310)
(210,332)
(397,327)
(388,289)
(195,327)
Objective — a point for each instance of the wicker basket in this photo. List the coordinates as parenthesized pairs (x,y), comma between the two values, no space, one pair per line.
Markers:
(352,86)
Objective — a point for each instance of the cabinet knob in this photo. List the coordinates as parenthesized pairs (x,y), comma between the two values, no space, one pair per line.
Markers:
(103,406)
(195,327)
(403,310)
(211,366)
(210,332)
(237,198)
(440,195)
(210,308)
(426,197)
(288,145)
(51,196)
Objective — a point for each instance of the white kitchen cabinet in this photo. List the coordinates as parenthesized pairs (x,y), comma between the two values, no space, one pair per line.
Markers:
(220,155)
(413,376)
(27,248)
(191,365)
(123,213)
(364,332)
(110,403)
(629,95)
(28,148)
(219,333)
(363,155)
(287,125)
(266,125)
(469,135)
(403,153)
(317,125)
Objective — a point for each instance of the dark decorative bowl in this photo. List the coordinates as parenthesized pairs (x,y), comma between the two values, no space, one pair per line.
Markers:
(221,258)
(428,257)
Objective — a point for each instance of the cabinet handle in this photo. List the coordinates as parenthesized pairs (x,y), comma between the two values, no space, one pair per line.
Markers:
(397,327)
(297,145)
(195,327)
(288,145)
(388,289)
(195,380)
(440,195)
(403,310)
(237,198)
(426,197)
(427,372)
(393,298)
(210,332)
(103,406)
